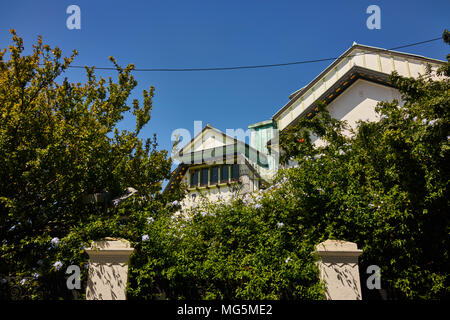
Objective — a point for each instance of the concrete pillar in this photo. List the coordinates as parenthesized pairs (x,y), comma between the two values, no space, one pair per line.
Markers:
(108,269)
(339,269)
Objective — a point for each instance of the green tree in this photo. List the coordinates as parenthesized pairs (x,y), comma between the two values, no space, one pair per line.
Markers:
(63,160)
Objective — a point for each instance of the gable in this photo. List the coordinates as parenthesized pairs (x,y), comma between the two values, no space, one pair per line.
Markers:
(309,108)
(211,145)
(365,62)
(358,102)
(211,139)
(208,138)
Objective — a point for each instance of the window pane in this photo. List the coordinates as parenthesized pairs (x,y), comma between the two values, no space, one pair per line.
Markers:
(194,178)
(224,173)
(204,177)
(214,175)
(235,171)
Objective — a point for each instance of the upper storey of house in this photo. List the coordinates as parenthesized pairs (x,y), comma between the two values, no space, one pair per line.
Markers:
(212,145)
(359,62)
(215,159)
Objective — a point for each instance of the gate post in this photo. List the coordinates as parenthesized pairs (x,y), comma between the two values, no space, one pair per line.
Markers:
(339,269)
(108,269)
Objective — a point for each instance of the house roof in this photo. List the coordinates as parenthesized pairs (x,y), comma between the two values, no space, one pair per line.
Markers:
(207,127)
(261,123)
(293,97)
(233,146)
(217,154)
(237,151)
(178,173)
(355,73)
(345,81)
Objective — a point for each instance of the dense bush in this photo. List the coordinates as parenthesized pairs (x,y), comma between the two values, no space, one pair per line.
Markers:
(226,250)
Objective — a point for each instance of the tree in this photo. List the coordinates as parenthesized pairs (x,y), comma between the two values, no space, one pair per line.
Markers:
(63,161)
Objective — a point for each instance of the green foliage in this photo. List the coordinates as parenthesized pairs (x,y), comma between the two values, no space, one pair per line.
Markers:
(59,146)
(385,187)
(224,251)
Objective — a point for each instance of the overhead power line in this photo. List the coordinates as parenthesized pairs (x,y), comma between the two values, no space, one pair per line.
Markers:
(255,66)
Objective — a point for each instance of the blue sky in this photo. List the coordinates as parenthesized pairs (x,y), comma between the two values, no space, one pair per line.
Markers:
(209,33)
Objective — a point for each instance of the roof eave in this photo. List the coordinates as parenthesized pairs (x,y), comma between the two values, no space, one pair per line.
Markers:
(300,92)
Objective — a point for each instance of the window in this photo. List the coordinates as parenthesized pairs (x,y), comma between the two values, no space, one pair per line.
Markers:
(204,177)
(214,175)
(224,174)
(235,172)
(194,178)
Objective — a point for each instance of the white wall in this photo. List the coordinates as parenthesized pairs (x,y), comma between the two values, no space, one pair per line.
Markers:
(358,102)
(209,139)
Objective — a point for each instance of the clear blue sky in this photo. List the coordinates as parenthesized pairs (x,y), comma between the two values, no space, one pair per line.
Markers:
(210,33)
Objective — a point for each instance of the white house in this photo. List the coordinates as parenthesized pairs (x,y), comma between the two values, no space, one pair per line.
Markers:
(351,87)
(214,164)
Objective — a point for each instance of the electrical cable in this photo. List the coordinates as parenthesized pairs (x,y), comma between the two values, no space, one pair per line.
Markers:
(254,66)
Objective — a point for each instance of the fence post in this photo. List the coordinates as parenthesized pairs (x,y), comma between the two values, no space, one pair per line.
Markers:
(108,269)
(339,269)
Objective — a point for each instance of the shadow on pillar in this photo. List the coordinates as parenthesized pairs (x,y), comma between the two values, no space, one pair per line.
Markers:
(108,269)
(338,267)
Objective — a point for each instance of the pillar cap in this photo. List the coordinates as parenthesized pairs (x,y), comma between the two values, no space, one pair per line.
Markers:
(338,248)
(110,246)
